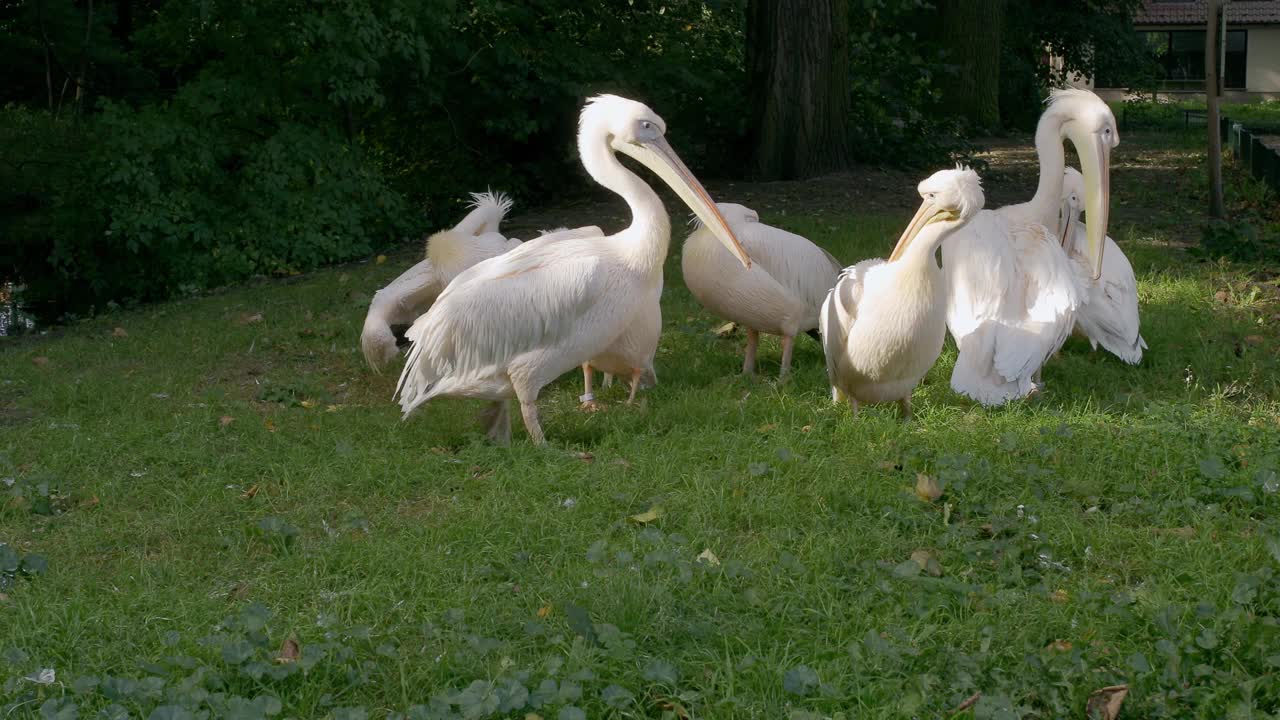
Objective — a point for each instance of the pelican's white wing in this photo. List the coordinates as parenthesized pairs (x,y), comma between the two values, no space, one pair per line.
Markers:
(1010,304)
(541,298)
(1108,315)
(1049,299)
(839,311)
(796,263)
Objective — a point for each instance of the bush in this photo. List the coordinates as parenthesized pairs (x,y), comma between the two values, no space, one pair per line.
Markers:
(161,201)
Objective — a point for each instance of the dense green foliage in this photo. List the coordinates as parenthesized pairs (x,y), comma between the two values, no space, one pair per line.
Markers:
(236,522)
(160,146)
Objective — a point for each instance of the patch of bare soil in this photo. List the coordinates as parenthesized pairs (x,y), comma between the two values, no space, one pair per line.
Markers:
(1151,180)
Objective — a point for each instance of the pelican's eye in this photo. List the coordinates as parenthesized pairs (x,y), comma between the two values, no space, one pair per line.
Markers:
(646,124)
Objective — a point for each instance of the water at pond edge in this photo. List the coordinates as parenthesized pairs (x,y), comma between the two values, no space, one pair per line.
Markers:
(13,319)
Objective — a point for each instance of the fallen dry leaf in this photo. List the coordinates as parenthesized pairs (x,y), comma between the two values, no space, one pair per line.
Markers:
(39,361)
(289,652)
(767,427)
(308,404)
(648,516)
(122,333)
(927,562)
(1059,646)
(927,488)
(92,501)
(585,456)
(544,611)
(1104,704)
(806,428)
(1186,532)
(709,557)
(621,462)
(248,494)
(532,716)
(887,465)
(1059,596)
(239,591)
(1254,340)
(226,420)
(250,319)
(343,278)
(270,426)
(968,703)
(1221,296)
(380,259)
(671,706)
(3,597)
(726,328)
(332,408)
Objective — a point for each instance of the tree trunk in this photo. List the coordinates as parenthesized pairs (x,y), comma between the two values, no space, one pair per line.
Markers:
(1211,90)
(798,83)
(970,32)
(84,57)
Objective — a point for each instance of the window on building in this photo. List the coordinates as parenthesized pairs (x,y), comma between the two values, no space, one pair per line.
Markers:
(1181,54)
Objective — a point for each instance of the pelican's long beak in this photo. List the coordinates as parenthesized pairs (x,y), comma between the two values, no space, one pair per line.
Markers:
(1095,164)
(925,215)
(1066,223)
(658,156)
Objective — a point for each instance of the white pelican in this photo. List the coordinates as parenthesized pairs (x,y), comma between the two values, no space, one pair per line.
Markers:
(1012,291)
(448,253)
(1108,314)
(884,322)
(631,354)
(512,324)
(780,294)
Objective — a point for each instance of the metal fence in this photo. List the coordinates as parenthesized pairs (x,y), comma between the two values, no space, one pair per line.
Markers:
(1246,145)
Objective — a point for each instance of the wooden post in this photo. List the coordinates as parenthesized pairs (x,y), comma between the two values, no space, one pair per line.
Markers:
(1211,91)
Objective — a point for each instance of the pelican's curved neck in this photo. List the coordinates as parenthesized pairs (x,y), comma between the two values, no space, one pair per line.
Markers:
(1053,161)
(924,247)
(648,236)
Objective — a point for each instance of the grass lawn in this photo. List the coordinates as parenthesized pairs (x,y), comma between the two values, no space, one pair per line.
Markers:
(215,479)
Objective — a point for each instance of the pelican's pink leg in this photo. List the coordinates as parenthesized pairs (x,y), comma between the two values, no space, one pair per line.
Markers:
(635,383)
(905,405)
(588,398)
(529,410)
(749,362)
(787,342)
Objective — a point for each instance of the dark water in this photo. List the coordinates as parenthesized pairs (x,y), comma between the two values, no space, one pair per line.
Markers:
(13,319)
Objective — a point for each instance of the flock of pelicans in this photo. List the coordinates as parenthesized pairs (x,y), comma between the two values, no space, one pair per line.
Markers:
(492,318)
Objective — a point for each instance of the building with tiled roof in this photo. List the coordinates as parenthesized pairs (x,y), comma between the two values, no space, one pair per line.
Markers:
(1175,32)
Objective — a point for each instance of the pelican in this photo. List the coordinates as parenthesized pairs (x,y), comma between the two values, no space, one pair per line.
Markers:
(448,253)
(1012,290)
(510,325)
(779,295)
(631,354)
(884,322)
(1108,315)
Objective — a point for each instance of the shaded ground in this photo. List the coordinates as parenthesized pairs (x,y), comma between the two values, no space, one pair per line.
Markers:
(1148,169)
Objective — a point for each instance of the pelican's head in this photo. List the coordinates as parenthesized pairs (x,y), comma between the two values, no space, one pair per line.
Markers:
(1087,121)
(632,128)
(737,214)
(1072,203)
(950,198)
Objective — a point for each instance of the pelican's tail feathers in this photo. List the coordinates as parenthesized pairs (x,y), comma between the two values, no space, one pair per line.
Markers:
(418,381)
(488,209)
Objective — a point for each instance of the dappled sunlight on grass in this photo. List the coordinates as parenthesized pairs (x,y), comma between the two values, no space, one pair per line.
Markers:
(1121,527)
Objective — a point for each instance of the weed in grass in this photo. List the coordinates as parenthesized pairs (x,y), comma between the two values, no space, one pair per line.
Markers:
(729,548)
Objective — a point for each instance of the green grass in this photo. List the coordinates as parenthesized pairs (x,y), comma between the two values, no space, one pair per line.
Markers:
(1122,528)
